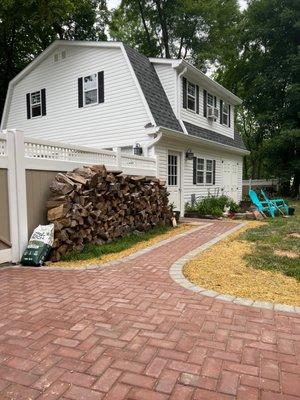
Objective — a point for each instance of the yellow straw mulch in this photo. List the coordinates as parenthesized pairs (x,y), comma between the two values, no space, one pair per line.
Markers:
(116,256)
(223,269)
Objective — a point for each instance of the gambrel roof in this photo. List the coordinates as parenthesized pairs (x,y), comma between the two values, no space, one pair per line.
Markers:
(152,93)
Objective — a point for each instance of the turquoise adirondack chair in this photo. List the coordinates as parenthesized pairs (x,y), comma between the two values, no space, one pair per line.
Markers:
(262,206)
(280,204)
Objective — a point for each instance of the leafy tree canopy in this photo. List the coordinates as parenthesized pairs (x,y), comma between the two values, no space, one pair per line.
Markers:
(27,27)
(266,75)
(202,31)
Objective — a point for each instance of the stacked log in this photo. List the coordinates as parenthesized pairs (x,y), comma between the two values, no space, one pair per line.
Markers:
(93,205)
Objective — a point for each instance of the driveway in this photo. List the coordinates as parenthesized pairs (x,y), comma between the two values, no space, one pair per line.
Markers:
(130,332)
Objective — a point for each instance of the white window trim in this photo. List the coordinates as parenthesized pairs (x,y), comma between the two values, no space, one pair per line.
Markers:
(213,100)
(225,113)
(204,171)
(189,95)
(89,90)
(37,104)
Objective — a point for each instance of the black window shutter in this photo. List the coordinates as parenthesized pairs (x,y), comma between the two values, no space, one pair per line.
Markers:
(80,93)
(101,87)
(214,172)
(194,170)
(43,98)
(221,111)
(197,99)
(229,115)
(204,103)
(184,98)
(28,105)
(215,101)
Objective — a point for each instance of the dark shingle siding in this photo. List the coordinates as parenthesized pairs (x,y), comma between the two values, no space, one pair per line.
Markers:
(203,133)
(153,91)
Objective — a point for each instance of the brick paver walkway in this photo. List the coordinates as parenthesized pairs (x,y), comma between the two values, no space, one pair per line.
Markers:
(130,332)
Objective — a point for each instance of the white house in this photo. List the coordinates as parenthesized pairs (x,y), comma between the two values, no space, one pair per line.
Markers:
(105,94)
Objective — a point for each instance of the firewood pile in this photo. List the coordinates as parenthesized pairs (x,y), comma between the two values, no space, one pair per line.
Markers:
(93,205)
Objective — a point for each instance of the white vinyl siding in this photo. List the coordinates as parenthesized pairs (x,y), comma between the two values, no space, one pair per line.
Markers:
(188,188)
(199,119)
(120,120)
(167,77)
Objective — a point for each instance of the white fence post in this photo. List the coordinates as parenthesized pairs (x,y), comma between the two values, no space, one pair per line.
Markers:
(12,195)
(17,193)
(21,190)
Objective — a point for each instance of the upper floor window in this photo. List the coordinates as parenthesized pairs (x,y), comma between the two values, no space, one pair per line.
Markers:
(191,96)
(91,89)
(224,113)
(210,100)
(36,103)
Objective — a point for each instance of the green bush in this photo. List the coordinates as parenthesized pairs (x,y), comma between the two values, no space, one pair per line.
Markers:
(212,206)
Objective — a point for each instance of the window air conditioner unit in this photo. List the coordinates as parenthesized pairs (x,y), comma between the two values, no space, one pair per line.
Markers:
(213,113)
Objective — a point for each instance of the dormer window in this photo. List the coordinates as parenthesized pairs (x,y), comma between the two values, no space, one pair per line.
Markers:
(225,114)
(191,96)
(210,100)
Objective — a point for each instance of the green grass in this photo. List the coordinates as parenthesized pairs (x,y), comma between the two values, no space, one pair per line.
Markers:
(96,251)
(275,236)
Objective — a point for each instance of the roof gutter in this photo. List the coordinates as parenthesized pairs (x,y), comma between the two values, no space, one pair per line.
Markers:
(169,133)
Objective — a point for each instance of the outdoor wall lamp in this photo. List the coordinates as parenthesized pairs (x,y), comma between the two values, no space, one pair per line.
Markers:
(137,150)
(189,154)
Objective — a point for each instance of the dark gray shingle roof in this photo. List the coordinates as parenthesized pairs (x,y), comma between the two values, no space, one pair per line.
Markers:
(153,91)
(203,133)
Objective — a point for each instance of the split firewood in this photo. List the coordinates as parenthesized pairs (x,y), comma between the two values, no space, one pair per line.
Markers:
(93,205)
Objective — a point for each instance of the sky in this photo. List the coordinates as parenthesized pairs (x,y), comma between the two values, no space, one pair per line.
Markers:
(114,3)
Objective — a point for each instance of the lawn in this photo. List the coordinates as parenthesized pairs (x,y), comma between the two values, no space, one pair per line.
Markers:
(276,244)
(121,247)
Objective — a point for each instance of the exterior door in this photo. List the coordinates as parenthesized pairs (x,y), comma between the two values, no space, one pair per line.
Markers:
(174,182)
(229,178)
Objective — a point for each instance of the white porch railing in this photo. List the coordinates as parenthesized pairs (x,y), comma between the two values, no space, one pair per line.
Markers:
(19,153)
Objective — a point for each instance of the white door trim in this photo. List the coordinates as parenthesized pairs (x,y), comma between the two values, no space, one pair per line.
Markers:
(177,189)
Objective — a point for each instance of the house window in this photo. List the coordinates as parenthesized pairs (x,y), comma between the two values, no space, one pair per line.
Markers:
(204,174)
(172,170)
(209,172)
(210,100)
(191,96)
(225,114)
(36,104)
(200,170)
(90,89)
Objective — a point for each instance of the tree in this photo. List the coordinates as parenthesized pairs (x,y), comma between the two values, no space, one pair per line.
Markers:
(28,27)
(266,76)
(198,30)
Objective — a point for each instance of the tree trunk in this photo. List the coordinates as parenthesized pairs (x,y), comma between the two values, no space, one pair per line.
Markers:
(164,28)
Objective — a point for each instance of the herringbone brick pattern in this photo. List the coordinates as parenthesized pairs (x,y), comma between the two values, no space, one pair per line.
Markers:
(130,332)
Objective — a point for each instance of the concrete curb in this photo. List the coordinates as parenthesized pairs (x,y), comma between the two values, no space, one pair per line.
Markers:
(176,273)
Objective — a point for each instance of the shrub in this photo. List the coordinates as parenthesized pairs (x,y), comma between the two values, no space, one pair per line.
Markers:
(212,206)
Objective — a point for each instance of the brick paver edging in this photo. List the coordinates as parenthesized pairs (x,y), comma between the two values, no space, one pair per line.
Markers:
(131,256)
(176,273)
